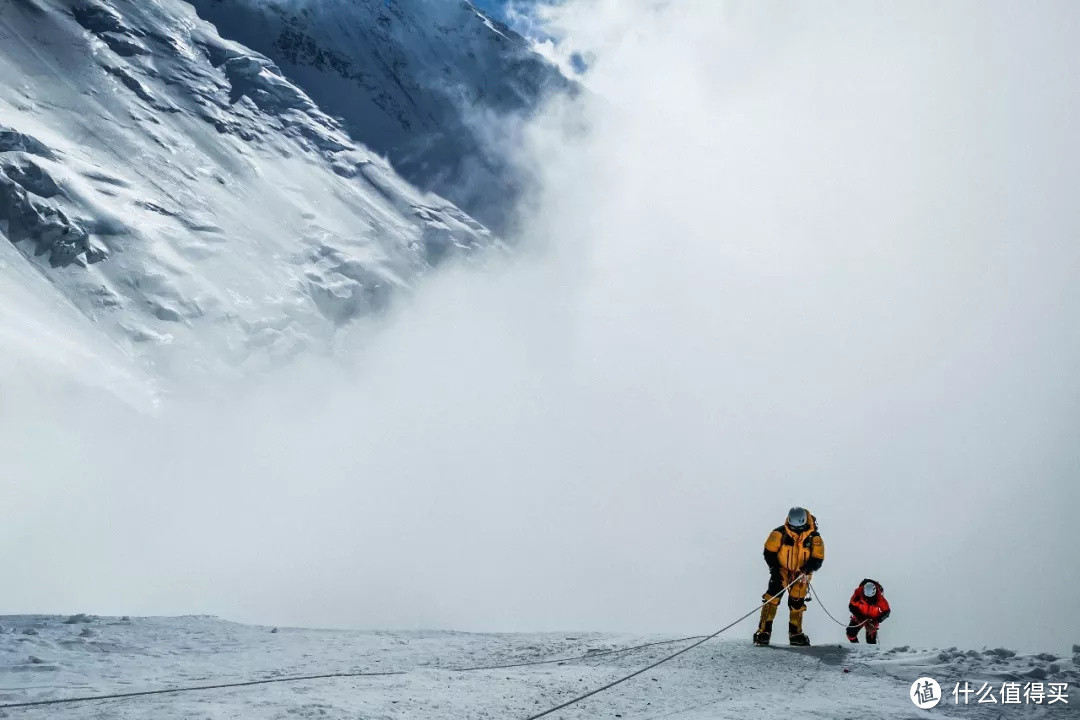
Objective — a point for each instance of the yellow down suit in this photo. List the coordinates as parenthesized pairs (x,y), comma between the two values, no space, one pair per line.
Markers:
(788,552)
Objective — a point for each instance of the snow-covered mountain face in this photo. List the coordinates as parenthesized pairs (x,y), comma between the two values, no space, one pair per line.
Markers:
(186,197)
(430,83)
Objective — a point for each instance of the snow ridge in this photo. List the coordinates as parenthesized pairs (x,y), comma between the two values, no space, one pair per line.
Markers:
(429,83)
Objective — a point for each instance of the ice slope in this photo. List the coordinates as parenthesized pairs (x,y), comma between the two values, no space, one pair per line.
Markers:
(177,192)
(430,83)
(46,657)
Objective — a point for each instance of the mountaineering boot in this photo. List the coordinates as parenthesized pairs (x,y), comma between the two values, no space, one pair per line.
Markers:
(871,633)
(763,634)
(852,630)
(796,636)
(768,612)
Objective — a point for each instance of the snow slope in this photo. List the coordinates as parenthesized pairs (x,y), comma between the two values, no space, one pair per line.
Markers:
(183,196)
(430,83)
(47,657)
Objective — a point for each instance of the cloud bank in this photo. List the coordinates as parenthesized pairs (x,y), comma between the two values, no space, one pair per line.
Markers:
(778,255)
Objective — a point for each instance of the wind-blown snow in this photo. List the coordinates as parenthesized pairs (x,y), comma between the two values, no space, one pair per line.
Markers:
(45,340)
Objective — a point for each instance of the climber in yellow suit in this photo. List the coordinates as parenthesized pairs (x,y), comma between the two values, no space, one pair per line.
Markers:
(793,550)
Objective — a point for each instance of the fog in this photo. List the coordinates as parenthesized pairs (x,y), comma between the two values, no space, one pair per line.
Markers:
(779,254)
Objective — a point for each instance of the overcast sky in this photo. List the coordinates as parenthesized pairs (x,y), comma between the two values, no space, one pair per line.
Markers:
(783,254)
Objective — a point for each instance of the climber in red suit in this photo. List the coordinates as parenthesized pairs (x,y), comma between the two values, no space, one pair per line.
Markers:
(869,608)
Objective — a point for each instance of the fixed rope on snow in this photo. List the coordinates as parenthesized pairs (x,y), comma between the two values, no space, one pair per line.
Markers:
(586,656)
(659,662)
(699,640)
(194,688)
(324,676)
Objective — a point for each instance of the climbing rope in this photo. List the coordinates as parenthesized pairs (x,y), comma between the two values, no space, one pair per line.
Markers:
(822,605)
(325,676)
(297,678)
(698,640)
(586,656)
(663,660)
(195,688)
